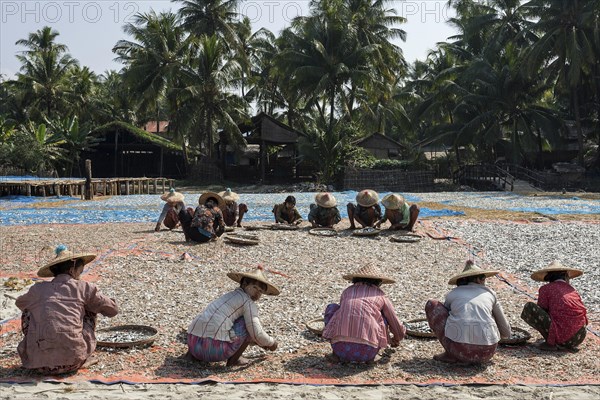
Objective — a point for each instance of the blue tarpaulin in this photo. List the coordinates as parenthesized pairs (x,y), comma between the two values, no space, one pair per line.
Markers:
(23,210)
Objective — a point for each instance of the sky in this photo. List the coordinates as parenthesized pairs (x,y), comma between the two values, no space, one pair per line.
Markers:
(90,29)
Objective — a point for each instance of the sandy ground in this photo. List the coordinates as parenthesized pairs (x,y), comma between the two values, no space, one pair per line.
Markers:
(280,391)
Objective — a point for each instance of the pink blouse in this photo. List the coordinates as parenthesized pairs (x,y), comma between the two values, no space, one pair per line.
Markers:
(56,336)
(360,318)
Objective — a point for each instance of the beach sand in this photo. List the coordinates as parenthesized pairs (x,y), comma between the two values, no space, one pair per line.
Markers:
(281,391)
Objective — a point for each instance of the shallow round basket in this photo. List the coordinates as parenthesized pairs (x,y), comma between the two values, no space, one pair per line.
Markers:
(245,235)
(285,227)
(418,333)
(144,335)
(406,238)
(238,239)
(316,326)
(524,337)
(254,227)
(323,232)
(366,232)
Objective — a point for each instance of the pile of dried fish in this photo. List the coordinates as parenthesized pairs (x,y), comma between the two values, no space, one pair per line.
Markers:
(418,326)
(142,270)
(122,336)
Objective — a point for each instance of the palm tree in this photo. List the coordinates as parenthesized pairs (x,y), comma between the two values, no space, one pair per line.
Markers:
(44,67)
(82,93)
(205,99)
(567,30)
(211,17)
(322,56)
(115,99)
(155,61)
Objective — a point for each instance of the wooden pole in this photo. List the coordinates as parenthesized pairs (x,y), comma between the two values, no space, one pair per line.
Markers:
(89,189)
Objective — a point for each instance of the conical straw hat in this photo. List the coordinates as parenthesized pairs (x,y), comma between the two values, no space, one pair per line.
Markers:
(62,255)
(325,200)
(207,195)
(172,196)
(367,198)
(258,275)
(471,270)
(393,201)
(555,266)
(369,271)
(229,195)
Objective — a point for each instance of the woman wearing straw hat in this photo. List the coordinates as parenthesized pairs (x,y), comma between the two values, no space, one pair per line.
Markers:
(559,314)
(59,317)
(230,323)
(207,221)
(360,325)
(398,212)
(232,212)
(323,212)
(170,212)
(470,323)
(367,212)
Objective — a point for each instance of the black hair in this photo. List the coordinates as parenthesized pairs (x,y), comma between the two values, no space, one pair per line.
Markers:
(290,200)
(369,281)
(556,275)
(211,202)
(469,279)
(64,266)
(247,281)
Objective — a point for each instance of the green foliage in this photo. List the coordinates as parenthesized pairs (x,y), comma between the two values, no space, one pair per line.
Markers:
(22,151)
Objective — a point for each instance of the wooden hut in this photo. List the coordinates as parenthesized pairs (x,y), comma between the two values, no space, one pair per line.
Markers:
(125,150)
(382,147)
(266,131)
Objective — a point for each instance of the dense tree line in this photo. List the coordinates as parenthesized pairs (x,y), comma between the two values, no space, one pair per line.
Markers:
(506,85)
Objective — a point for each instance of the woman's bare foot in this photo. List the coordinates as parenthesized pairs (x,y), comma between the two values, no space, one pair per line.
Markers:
(188,357)
(92,360)
(547,347)
(445,357)
(239,361)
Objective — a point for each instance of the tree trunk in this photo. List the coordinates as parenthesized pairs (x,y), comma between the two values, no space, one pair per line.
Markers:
(515,143)
(541,150)
(578,126)
(331,109)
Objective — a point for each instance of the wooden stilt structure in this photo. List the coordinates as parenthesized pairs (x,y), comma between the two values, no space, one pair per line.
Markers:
(77,187)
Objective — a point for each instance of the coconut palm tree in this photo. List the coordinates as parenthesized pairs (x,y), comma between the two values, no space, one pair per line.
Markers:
(322,58)
(44,67)
(567,30)
(211,17)
(155,61)
(205,99)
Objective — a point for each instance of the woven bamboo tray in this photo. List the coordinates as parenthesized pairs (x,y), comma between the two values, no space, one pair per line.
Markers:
(116,336)
(245,240)
(418,333)
(524,336)
(406,238)
(316,326)
(366,232)
(285,227)
(323,232)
